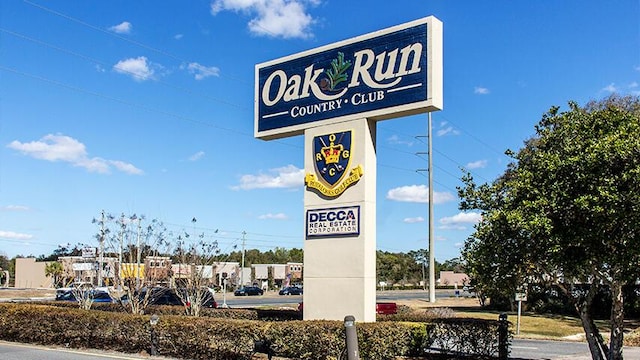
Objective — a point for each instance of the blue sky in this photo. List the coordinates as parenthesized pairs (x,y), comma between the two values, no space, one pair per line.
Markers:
(146,107)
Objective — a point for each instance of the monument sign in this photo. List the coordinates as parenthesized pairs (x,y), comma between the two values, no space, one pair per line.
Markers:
(334,95)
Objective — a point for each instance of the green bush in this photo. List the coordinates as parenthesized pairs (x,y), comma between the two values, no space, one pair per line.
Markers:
(231,333)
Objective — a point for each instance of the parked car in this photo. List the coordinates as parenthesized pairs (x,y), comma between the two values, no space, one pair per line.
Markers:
(248,290)
(94,294)
(166,296)
(290,290)
(161,296)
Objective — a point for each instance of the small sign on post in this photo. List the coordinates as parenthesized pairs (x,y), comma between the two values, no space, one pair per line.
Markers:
(520,297)
(88,252)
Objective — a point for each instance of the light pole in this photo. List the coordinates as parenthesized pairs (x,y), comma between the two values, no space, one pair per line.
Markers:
(224,290)
(242,267)
(351,337)
(122,228)
(101,237)
(100,255)
(138,255)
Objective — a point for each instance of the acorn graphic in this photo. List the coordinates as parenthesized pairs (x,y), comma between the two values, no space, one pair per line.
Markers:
(325,84)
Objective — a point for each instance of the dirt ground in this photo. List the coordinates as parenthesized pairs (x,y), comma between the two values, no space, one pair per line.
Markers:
(8,293)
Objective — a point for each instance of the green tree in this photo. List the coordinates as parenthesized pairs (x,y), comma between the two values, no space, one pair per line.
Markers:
(398,268)
(62,250)
(566,211)
(456,265)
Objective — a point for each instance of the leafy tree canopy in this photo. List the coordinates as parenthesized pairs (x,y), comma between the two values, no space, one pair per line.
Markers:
(566,210)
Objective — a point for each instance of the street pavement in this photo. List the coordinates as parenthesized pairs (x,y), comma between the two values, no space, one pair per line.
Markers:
(522,350)
(528,349)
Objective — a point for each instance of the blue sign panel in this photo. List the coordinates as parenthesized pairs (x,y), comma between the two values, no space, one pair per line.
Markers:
(381,75)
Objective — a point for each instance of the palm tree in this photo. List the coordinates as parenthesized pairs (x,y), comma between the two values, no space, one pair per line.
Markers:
(54,270)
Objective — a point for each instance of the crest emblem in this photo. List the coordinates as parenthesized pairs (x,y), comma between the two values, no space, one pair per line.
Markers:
(332,157)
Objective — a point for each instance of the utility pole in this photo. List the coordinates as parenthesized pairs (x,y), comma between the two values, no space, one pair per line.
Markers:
(432,261)
(244,233)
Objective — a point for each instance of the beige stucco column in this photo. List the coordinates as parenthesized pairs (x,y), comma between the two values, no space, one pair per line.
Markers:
(340,271)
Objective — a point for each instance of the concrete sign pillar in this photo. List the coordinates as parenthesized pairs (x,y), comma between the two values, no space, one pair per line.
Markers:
(340,241)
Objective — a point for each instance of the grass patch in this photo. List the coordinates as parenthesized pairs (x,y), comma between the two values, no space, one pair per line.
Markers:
(539,326)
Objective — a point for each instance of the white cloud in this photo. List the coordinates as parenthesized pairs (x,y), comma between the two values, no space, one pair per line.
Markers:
(446,129)
(277,18)
(419,194)
(197,156)
(395,139)
(138,68)
(122,28)
(285,177)
(67,149)
(611,88)
(413,220)
(201,71)
(449,130)
(480,90)
(14,235)
(125,167)
(15,208)
(477,164)
(270,216)
(178,36)
(459,221)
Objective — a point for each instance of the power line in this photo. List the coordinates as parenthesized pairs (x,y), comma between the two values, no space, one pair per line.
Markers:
(476,138)
(110,33)
(133,104)
(102,63)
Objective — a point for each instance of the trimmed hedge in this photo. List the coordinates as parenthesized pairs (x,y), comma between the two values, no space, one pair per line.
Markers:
(228,338)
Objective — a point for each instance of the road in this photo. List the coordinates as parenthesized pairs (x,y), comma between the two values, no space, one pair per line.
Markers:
(14,351)
(271,299)
(539,349)
(522,349)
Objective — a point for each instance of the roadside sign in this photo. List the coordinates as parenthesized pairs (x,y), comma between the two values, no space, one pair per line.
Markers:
(521,296)
(88,252)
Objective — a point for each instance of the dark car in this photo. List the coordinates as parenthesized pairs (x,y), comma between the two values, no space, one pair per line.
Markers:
(166,296)
(248,290)
(95,295)
(291,290)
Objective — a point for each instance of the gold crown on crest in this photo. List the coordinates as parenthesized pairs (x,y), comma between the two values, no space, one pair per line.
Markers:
(332,153)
